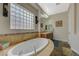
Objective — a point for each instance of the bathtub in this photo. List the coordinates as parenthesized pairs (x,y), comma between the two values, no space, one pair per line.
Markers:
(28,48)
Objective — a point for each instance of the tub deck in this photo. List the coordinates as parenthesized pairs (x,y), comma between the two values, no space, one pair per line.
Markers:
(45,52)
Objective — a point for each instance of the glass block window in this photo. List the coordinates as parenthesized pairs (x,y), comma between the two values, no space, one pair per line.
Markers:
(21,18)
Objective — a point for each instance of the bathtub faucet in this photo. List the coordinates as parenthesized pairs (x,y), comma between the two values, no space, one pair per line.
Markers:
(34,49)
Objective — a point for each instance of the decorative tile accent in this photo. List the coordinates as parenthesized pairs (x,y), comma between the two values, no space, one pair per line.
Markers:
(18,37)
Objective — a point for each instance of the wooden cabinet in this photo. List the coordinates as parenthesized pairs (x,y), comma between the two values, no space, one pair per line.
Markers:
(47,35)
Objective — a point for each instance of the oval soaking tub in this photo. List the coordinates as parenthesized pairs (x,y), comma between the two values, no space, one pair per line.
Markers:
(28,48)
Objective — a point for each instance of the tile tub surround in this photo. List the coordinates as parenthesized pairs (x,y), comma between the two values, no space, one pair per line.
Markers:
(45,52)
(17,37)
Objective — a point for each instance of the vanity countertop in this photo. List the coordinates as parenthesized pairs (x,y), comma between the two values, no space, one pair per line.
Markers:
(46,32)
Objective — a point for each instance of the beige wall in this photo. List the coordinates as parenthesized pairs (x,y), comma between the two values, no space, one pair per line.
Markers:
(60,33)
(77,17)
(5,21)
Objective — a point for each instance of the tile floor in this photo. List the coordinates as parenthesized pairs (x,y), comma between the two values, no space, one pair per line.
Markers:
(62,49)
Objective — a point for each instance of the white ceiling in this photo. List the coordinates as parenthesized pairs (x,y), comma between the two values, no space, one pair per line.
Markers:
(52,8)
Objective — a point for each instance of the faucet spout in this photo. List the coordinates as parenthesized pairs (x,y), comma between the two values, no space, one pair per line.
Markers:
(34,49)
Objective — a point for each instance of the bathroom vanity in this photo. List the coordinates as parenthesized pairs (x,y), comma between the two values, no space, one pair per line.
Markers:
(48,35)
